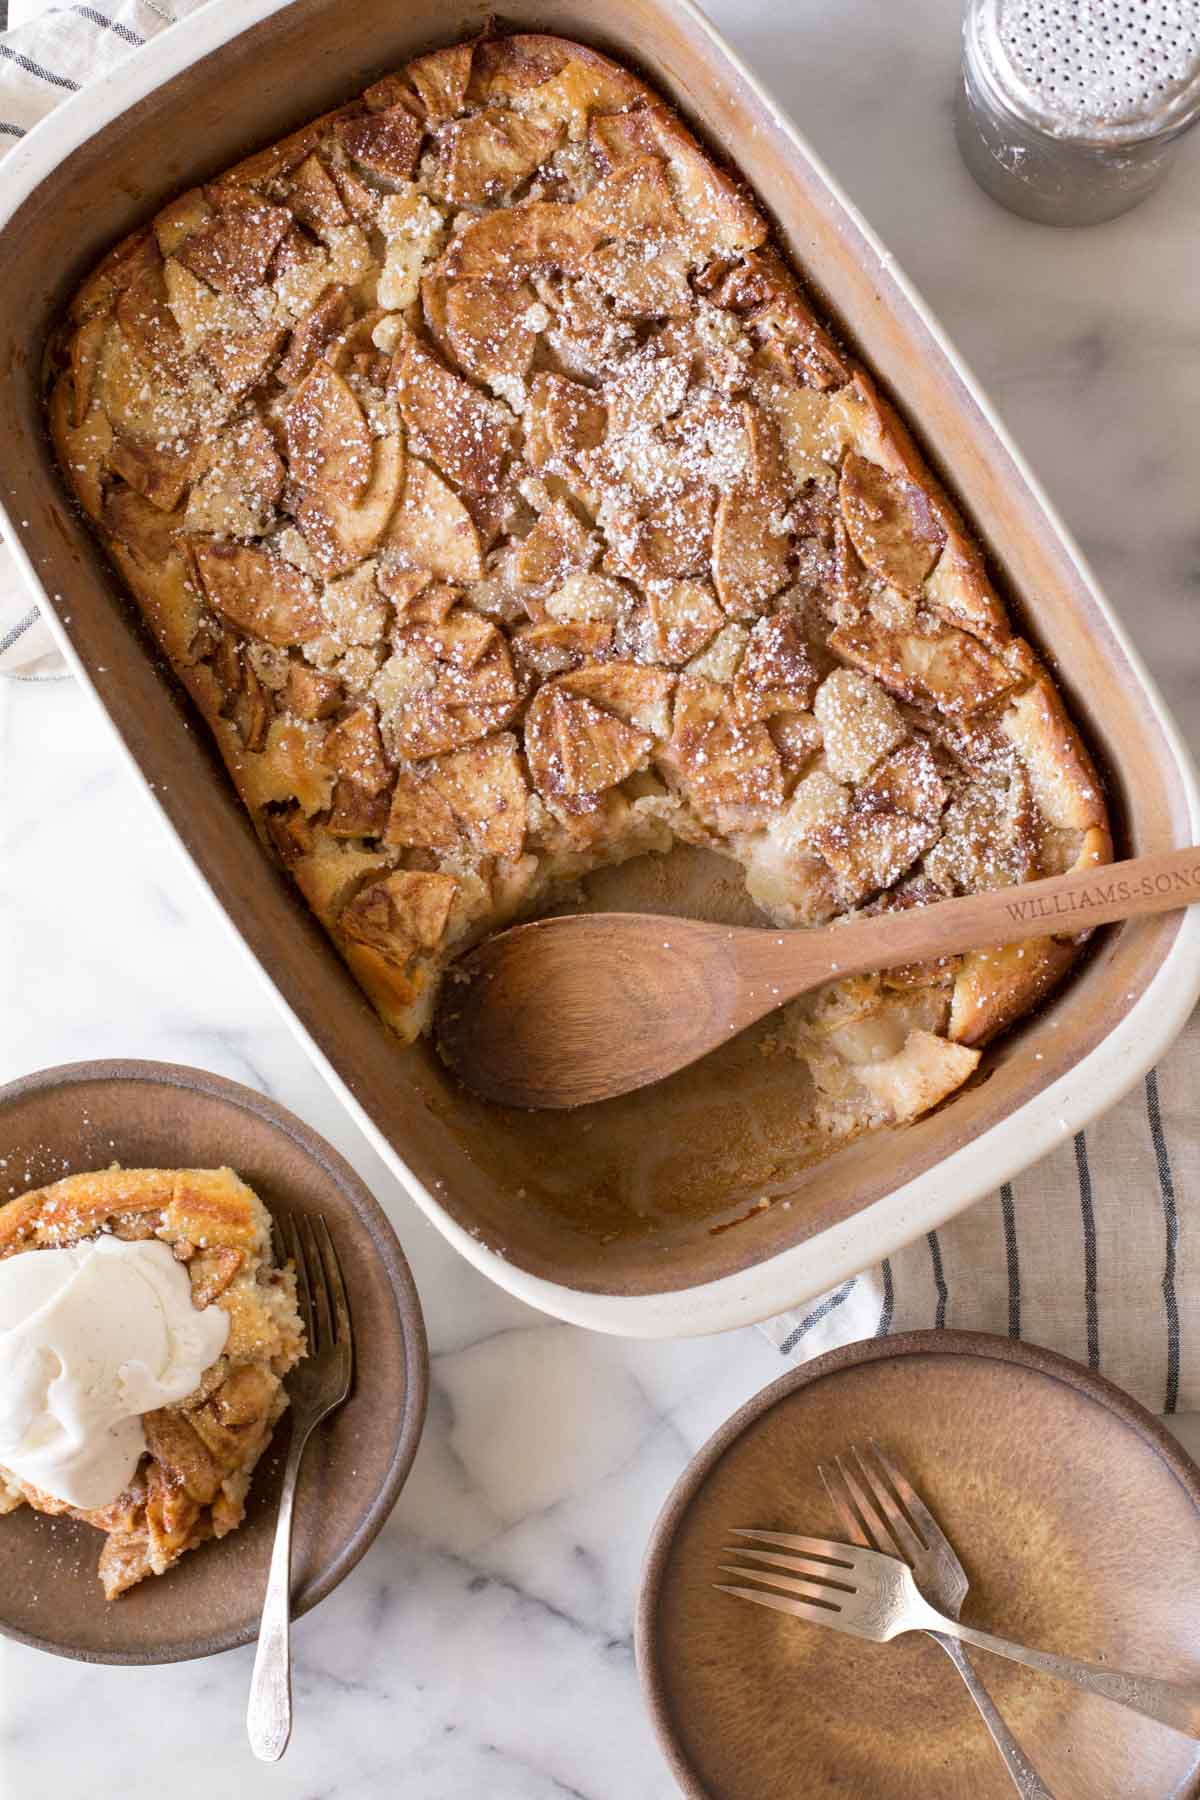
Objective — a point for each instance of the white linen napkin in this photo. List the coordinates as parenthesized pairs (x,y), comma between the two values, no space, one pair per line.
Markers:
(27,650)
(1095,1251)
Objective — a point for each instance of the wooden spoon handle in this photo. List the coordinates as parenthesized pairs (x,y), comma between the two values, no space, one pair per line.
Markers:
(1060,906)
(570,1010)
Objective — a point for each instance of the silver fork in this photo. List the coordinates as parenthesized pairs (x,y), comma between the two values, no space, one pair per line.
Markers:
(874,1596)
(939,1575)
(318,1384)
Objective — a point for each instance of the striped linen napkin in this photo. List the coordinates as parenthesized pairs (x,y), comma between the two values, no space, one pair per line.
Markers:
(46,53)
(1095,1251)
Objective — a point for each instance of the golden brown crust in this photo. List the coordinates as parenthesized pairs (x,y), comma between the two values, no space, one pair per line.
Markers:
(957,586)
(191,1484)
(507,509)
(1065,784)
(995,987)
(992,988)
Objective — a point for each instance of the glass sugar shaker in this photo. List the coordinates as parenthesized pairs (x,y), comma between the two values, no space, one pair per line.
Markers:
(1069,110)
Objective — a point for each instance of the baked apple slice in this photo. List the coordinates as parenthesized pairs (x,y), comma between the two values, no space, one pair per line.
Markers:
(259,592)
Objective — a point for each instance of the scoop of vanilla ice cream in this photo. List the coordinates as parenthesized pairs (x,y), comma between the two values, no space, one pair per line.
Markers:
(91,1337)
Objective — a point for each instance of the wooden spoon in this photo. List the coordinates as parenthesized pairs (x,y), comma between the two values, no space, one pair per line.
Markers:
(579,1008)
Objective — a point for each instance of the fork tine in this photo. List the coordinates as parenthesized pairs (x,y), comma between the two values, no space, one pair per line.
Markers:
(796,1565)
(876,1529)
(318,1281)
(807,1590)
(845,1512)
(337,1287)
(799,1609)
(908,1540)
(808,1546)
(916,1508)
(291,1238)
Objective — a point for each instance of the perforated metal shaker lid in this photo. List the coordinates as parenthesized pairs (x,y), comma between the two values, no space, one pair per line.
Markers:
(1100,71)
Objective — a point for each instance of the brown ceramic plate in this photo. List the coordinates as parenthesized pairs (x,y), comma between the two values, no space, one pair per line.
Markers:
(158,1115)
(1076,1516)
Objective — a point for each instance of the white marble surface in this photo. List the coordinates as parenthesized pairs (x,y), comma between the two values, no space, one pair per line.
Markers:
(483,1648)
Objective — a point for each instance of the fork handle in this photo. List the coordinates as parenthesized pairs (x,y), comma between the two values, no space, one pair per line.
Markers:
(1170,1702)
(1025,1777)
(269,1710)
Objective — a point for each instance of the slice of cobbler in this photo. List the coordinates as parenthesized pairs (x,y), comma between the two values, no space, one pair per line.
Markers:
(191,1482)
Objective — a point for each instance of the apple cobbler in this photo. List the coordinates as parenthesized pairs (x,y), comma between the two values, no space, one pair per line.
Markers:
(507,512)
(190,1484)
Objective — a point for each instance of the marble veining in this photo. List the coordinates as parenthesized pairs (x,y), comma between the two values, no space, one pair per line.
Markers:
(483,1649)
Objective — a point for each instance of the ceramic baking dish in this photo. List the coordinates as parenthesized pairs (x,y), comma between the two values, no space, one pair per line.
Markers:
(521,1198)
